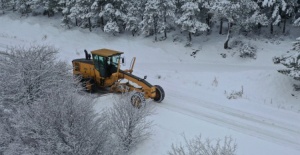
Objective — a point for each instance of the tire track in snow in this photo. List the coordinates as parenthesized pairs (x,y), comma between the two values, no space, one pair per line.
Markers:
(254,125)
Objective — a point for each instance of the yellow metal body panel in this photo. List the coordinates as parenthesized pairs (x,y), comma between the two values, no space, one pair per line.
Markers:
(88,71)
(106,52)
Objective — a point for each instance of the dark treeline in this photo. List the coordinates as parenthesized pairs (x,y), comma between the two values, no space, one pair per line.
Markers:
(153,17)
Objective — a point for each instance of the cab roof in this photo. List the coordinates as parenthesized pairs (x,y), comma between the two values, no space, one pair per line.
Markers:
(106,52)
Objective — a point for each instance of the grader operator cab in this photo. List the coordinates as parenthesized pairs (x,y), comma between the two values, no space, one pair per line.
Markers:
(102,70)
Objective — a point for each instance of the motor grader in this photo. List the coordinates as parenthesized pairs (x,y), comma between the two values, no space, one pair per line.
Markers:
(101,70)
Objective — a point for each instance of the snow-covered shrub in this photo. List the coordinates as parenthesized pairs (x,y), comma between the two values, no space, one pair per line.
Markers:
(111,27)
(61,123)
(128,124)
(177,38)
(236,42)
(188,44)
(40,109)
(235,94)
(215,82)
(29,74)
(247,50)
(198,146)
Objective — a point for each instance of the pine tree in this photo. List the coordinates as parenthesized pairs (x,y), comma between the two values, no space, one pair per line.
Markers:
(51,7)
(4,4)
(133,17)
(66,11)
(112,16)
(216,9)
(279,10)
(167,10)
(74,12)
(292,62)
(243,15)
(150,18)
(81,12)
(85,13)
(23,6)
(178,4)
(188,21)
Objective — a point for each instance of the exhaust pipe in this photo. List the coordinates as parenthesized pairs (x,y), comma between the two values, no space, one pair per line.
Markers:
(87,55)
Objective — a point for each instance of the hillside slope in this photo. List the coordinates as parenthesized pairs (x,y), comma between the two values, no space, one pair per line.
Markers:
(264,120)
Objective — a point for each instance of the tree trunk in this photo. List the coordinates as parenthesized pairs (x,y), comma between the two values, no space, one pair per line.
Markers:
(271,28)
(207,20)
(165,20)
(259,28)
(190,36)
(208,23)
(228,37)
(76,21)
(102,23)
(221,26)
(284,23)
(90,24)
(155,27)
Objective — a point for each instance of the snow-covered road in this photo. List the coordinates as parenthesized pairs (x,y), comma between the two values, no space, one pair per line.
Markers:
(269,129)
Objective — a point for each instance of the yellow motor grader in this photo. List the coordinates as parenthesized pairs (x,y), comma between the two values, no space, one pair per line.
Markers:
(101,70)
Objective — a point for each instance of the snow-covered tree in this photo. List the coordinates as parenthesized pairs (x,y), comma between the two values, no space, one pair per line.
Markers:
(217,11)
(66,11)
(158,17)
(73,12)
(41,111)
(189,21)
(241,15)
(128,124)
(167,10)
(61,123)
(32,68)
(291,61)
(149,24)
(23,6)
(133,17)
(96,8)
(278,10)
(51,7)
(114,17)
(178,4)
(27,76)
(85,13)
(81,12)
(4,4)
(47,7)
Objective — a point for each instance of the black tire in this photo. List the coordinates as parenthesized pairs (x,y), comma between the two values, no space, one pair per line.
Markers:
(94,87)
(160,94)
(89,81)
(137,99)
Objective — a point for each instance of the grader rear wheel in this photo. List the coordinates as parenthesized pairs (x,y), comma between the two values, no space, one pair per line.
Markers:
(160,94)
(89,85)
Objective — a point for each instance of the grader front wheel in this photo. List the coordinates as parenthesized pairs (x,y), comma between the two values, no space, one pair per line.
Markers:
(160,94)
(137,99)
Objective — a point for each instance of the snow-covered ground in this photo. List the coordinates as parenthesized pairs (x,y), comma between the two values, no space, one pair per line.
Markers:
(264,120)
